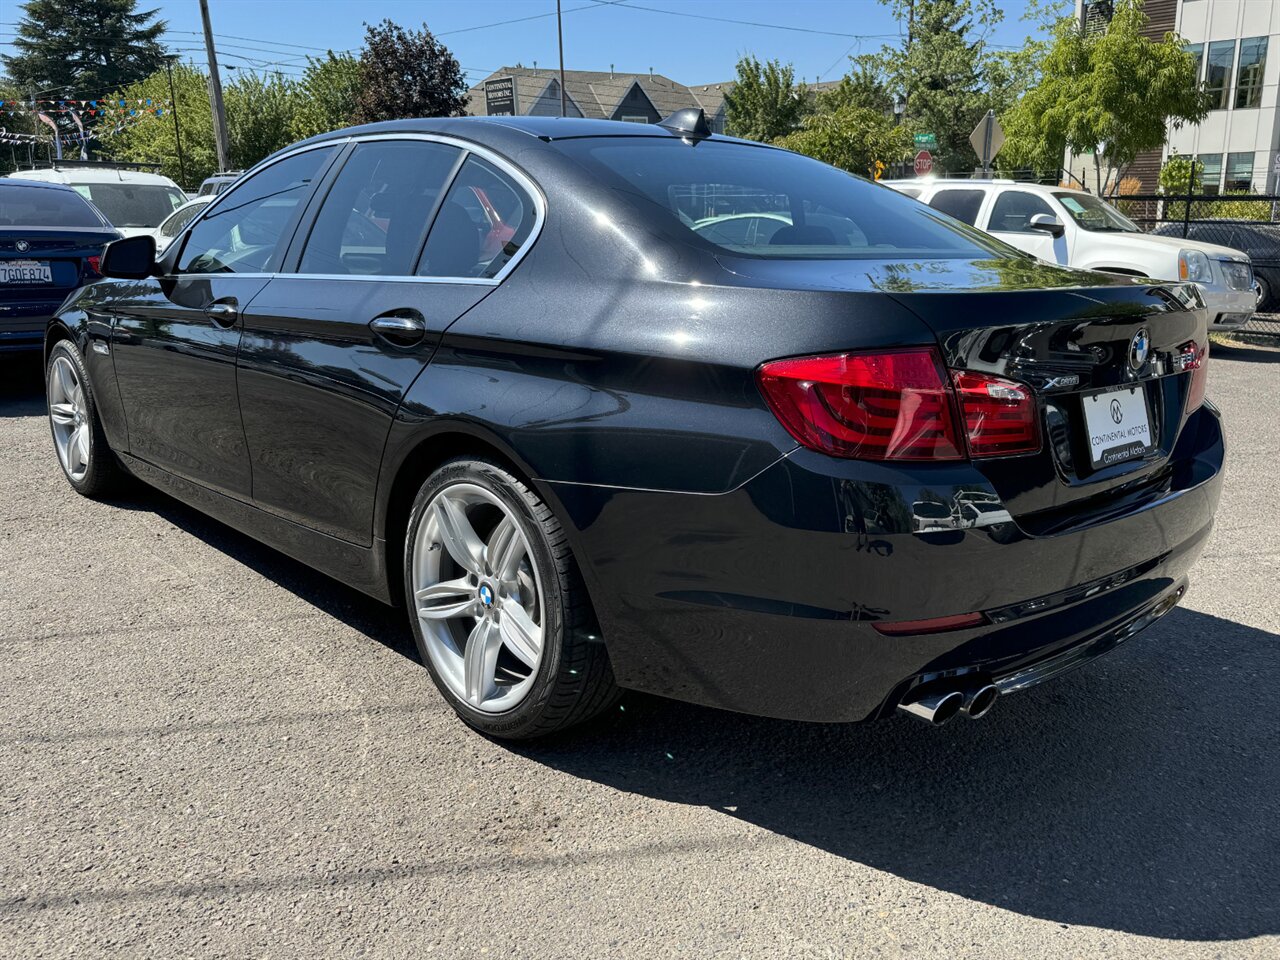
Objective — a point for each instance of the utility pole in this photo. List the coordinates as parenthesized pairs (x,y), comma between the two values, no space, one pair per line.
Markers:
(215,94)
(177,130)
(560,34)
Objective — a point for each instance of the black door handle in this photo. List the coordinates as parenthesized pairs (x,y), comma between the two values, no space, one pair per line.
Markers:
(402,327)
(223,313)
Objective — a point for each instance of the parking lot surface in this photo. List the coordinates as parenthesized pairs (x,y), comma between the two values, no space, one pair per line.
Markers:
(208,750)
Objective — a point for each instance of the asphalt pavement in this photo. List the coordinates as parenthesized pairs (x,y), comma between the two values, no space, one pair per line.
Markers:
(208,750)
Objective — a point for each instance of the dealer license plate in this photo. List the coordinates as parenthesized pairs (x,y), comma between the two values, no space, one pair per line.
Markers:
(25,271)
(1118,424)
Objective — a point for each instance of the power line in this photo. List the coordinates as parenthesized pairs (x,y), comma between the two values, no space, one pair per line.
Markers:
(625,5)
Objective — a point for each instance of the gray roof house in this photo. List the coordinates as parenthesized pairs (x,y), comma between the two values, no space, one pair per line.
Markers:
(602,95)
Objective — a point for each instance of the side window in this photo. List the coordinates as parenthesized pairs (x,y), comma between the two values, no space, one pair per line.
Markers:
(374,219)
(247,231)
(961,204)
(485,218)
(1013,211)
(173,226)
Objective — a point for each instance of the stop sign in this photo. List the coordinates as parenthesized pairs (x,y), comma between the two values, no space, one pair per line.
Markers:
(924,163)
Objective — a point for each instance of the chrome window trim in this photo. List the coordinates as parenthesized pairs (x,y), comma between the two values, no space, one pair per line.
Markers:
(525,182)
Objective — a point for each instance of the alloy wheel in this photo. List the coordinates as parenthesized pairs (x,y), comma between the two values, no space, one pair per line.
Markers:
(69,417)
(478,597)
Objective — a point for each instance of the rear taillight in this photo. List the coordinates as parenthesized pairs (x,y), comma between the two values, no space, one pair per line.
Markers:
(999,415)
(899,405)
(94,264)
(1195,359)
(868,406)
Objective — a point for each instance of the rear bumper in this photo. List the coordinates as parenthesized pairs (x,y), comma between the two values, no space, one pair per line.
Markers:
(22,325)
(764,599)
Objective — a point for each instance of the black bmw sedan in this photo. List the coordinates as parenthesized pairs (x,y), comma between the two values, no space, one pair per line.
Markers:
(613,406)
(51,240)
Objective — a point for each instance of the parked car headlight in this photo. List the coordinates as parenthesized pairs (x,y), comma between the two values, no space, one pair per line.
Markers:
(1193,265)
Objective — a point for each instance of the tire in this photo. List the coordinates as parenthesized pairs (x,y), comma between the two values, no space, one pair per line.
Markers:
(1263,291)
(478,646)
(83,452)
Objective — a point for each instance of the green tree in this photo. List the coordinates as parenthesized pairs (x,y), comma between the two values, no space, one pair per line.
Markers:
(260,113)
(407,73)
(150,138)
(765,102)
(853,138)
(1179,173)
(945,71)
(867,84)
(326,95)
(84,48)
(1112,94)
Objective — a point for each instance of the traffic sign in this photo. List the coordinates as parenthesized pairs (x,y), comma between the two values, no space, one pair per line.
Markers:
(925,141)
(987,139)
(924,163)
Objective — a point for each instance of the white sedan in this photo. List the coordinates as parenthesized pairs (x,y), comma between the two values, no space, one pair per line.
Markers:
(177,221)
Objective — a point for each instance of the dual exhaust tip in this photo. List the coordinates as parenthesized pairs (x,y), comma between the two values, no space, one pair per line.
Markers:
(939,708)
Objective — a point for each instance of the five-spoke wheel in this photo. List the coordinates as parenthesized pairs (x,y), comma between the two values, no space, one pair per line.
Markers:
(67,413)
(498,608)
(478,597)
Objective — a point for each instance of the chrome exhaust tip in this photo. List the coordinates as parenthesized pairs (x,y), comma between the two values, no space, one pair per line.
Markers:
(978,703)
(936,709)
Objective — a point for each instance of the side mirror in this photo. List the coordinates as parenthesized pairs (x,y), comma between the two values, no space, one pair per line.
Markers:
(1048,223)
(133,258)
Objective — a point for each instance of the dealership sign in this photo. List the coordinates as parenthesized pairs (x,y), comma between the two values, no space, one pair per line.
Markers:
(500,97)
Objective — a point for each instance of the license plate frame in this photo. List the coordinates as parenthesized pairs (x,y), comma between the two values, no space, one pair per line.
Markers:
(44,267)
(1117,424)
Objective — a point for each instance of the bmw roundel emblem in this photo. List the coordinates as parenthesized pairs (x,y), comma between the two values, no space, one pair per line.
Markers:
(21,246)
(486,595)
(1139,349)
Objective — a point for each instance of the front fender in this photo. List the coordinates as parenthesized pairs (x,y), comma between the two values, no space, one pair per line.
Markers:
(82,320)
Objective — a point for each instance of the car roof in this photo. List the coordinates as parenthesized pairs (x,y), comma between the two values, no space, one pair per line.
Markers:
(495,131)
(18,180)
(934,183)
(68,175)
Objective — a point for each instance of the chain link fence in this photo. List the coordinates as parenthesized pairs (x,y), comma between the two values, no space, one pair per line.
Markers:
(1246,222)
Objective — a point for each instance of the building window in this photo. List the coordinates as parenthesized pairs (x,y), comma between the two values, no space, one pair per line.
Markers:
(1210,172)
(1217,76)
(1253,61)
(1197,51)
(634,118)
(1239,172)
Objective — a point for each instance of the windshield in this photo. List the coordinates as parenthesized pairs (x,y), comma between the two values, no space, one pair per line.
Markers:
(1094,214)
(133,204)
(33,206)
(763,202)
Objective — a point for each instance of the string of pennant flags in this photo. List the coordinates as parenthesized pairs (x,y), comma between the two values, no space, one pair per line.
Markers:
(77,137)
(112,107)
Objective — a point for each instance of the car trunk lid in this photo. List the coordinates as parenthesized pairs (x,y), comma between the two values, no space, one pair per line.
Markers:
(45,265)
(1102,353)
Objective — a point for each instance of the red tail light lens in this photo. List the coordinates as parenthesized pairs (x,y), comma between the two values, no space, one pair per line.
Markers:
(95,264)
(1000,416)
(1195,358)
(869,406)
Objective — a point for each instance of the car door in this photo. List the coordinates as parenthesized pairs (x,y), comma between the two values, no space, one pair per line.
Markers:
(175,338)
(334,343)
(963,203)
(1009,218)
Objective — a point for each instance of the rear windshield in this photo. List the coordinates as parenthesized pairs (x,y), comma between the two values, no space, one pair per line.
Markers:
(133,204)
(763,202)
(24,206)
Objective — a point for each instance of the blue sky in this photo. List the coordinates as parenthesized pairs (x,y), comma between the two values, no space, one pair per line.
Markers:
(686,48)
